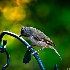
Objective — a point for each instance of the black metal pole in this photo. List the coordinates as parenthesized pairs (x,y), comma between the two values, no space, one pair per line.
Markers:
(8,61)
(27,44)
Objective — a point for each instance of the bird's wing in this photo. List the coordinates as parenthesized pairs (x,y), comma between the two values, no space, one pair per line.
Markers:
(49,42)
(37,38)
(40,36)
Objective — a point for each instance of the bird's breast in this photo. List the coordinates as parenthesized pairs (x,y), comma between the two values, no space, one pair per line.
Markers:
(37,43)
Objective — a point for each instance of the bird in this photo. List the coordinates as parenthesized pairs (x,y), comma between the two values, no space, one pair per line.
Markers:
(38,38)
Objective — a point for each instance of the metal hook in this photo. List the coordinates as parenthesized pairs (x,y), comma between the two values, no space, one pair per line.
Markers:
(2,50)
(27,45)
(8,60)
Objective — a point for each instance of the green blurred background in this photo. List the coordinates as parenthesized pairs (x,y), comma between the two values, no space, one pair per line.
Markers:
(50,16)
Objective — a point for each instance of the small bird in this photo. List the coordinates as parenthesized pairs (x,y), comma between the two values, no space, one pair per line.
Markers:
(38,38)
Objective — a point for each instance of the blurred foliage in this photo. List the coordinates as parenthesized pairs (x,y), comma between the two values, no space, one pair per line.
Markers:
(50,16)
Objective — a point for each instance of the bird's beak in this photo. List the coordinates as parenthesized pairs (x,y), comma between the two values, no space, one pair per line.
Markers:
(20,35)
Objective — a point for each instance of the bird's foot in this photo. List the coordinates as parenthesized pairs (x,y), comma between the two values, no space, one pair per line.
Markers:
(35,52)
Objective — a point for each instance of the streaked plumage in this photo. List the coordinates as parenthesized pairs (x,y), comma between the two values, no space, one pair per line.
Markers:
(37,37)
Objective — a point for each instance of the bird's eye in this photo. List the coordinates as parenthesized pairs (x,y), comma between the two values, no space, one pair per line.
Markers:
(22,28)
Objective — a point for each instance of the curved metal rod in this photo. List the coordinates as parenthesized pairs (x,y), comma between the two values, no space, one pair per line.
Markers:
(14,35)
(28,46)
(8,60)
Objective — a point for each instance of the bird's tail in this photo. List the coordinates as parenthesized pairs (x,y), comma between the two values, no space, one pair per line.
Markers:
(55,51)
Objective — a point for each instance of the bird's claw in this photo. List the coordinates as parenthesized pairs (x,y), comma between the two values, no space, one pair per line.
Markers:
(35,52)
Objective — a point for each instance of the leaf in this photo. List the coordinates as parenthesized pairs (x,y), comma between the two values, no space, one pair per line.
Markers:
(27,57)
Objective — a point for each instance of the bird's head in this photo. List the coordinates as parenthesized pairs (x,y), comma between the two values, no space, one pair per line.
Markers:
(24,31)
